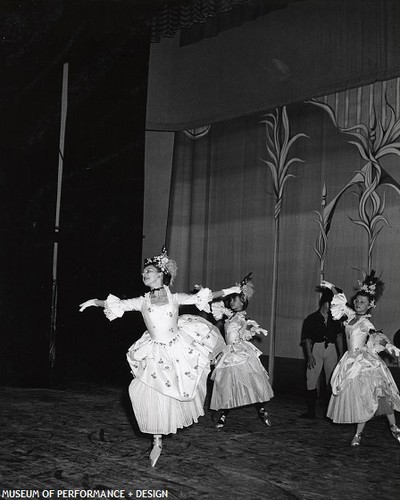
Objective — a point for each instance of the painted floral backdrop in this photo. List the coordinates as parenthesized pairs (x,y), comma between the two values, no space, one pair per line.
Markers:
(303,192)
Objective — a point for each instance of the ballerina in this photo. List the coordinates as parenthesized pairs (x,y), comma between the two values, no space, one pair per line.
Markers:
(171,361)
(362,385)
(239,377)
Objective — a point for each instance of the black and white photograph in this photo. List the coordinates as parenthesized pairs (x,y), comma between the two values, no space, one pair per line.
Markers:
(199,249)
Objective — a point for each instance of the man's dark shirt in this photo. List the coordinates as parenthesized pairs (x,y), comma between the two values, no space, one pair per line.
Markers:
(315,329)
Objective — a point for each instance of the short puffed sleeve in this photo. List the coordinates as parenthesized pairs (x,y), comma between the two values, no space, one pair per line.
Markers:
(114,307)
(200,299)
(339,307)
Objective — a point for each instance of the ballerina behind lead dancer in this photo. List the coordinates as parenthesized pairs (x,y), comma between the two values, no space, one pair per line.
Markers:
(171,361)
(362,385)
(239,377)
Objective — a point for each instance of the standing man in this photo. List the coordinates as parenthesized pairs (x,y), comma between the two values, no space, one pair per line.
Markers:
(322,339)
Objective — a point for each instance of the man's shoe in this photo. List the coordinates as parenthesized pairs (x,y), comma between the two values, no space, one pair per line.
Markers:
(307,415)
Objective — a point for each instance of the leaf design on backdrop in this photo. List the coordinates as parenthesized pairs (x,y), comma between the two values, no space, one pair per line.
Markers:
(277,144)
(321,245)
(373,141)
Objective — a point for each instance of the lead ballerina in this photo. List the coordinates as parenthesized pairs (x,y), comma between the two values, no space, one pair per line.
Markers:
(362,385)
(170,363)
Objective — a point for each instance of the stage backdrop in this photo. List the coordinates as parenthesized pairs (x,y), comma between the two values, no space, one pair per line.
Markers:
(317,181)
(310,48)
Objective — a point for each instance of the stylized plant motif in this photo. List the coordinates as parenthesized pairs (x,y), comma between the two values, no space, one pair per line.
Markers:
(278,143)
(321,245)
(370,211)
(373,143)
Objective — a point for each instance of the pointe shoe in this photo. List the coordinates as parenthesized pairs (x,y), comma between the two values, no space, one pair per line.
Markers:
(395,432)
(356,439)
(156,451)
(221,422)
(265,417)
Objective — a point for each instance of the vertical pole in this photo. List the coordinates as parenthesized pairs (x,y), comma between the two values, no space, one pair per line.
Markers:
(371,106)
(271,361)
(53,325)
(323,249)
(383,104)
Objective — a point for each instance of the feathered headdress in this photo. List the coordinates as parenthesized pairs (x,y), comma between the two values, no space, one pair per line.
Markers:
(163,263)
(372,286)
(246,287)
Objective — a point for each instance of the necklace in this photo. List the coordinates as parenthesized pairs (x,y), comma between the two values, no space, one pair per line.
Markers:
(158,296)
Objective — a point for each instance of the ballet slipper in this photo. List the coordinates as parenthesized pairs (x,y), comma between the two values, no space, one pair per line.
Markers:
(265,417)
(395,432)
(356,439)
(221,422)
(156,451)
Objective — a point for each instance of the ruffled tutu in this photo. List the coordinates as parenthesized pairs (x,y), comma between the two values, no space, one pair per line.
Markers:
(173,368)
(169,386)
(362,387)
(157,413)
(239,378)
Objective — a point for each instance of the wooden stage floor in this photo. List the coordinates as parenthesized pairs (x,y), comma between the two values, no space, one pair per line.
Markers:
(84,441)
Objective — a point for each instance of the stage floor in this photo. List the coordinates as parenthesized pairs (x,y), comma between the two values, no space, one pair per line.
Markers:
(85,440)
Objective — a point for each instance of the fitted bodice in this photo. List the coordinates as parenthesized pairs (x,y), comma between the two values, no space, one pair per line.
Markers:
(161,320)
(357,334)
(233,327)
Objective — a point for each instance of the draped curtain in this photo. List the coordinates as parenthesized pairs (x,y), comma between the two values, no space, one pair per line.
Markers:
(202,18)
(307,49)
(220,224)
(221,200)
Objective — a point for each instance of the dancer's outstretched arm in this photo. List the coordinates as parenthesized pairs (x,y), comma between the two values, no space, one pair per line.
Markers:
(91,303)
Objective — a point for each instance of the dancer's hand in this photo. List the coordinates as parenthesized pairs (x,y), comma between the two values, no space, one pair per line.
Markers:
(327,284)
(219,310)
(88,303)
(255,327)
(311,362)
(259,330)
(231,290)
(393,350)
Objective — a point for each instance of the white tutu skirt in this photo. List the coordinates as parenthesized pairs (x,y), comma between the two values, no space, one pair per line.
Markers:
(239,378)
(170,378)
(362,388)
(157,413)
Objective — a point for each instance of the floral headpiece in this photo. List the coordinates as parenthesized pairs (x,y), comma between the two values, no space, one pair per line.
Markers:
(371,286)
(246,287)
(163,263)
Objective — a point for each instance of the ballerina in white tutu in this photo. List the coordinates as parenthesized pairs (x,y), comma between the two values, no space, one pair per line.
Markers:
(171,361)
(362,385)
(239,377)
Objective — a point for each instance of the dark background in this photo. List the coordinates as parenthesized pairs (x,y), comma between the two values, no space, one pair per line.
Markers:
(106,44)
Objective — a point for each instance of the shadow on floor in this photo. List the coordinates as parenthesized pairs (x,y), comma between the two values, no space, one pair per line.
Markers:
(86,438)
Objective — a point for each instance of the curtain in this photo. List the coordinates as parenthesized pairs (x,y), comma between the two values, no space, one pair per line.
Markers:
(221,214)
(202,18)
(305,50)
